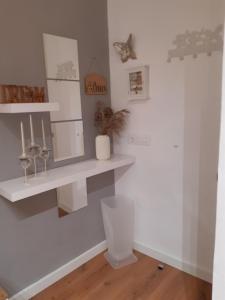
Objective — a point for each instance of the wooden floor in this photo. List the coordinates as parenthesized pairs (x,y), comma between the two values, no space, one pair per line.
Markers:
(96,280)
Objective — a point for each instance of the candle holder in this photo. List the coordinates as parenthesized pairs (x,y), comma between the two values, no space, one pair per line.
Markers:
(34,151)
(25,162)
(44,154)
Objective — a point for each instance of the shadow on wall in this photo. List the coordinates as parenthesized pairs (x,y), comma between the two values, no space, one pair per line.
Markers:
(16,223)
(31,206)
(201,144)
(38,204)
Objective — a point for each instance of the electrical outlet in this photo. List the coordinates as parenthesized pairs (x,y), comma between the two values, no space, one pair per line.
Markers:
(139,140)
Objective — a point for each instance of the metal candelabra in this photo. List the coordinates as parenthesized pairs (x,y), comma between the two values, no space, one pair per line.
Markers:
(33,152)
(44,154)
(25,162)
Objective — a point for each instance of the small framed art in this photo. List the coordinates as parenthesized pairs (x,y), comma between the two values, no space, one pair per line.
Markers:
(138,83)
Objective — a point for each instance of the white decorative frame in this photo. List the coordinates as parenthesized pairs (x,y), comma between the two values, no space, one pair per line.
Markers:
(63,82)
(138,83)
(61,57)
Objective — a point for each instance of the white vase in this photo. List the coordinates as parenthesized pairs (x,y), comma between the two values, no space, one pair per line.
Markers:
(102,145)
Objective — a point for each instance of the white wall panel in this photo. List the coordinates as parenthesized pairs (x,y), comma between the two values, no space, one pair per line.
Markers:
(67,94)
(67,140)
(61,57)
(173,181)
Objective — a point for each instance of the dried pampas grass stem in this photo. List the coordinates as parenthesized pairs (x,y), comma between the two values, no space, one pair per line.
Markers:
(109,122)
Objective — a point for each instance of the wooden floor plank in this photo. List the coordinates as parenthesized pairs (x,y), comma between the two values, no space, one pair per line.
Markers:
(96,280)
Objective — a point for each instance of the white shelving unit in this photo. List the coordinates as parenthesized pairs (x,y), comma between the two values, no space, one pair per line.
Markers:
(15,108)
(15,189)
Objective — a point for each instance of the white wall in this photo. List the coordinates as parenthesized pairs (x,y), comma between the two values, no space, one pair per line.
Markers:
(174,180)
(219,258)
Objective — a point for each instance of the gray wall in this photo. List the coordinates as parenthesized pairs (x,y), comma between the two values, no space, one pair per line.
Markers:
(33,240)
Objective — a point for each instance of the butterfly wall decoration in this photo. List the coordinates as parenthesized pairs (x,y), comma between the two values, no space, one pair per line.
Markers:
(125,49)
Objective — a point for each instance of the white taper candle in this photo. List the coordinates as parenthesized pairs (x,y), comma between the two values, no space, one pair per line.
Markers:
(43,133)
(31,131)
(22,139)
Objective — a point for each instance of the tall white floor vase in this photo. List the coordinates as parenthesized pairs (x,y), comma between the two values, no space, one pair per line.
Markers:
(102,144)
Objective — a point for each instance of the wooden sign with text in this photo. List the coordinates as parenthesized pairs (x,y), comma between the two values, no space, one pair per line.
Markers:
(95,84)
(21,94)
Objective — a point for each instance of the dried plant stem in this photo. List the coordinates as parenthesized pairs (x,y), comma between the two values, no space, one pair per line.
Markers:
(109,122)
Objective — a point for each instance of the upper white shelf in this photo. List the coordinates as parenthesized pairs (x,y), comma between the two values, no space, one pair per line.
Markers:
(15,108)
(15,189)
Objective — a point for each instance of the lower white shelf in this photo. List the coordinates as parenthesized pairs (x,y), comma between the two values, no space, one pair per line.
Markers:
(15,189)
(15,108)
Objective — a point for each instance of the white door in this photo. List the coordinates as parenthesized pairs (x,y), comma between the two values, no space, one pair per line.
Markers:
(219,256)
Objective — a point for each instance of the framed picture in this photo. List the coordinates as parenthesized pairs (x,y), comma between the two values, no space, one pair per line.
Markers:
(61,57)
(138,83)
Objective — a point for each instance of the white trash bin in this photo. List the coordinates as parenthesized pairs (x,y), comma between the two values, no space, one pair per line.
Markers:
(118,219)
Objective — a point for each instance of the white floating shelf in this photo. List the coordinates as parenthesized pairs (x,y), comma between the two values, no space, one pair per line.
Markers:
(15,108)
(15,189)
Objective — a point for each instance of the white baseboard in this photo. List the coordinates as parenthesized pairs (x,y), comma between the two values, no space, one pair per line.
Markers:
(174,262)
(51,278)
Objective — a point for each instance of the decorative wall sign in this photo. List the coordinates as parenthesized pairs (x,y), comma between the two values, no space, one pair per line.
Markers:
(95,84)
(21,94)
(125,49)
(138,83)
(197,42)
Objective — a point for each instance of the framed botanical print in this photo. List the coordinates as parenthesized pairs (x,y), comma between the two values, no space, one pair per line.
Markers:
(138,83)
(61,57)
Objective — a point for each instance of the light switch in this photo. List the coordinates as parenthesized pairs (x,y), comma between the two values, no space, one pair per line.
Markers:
(139,140)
